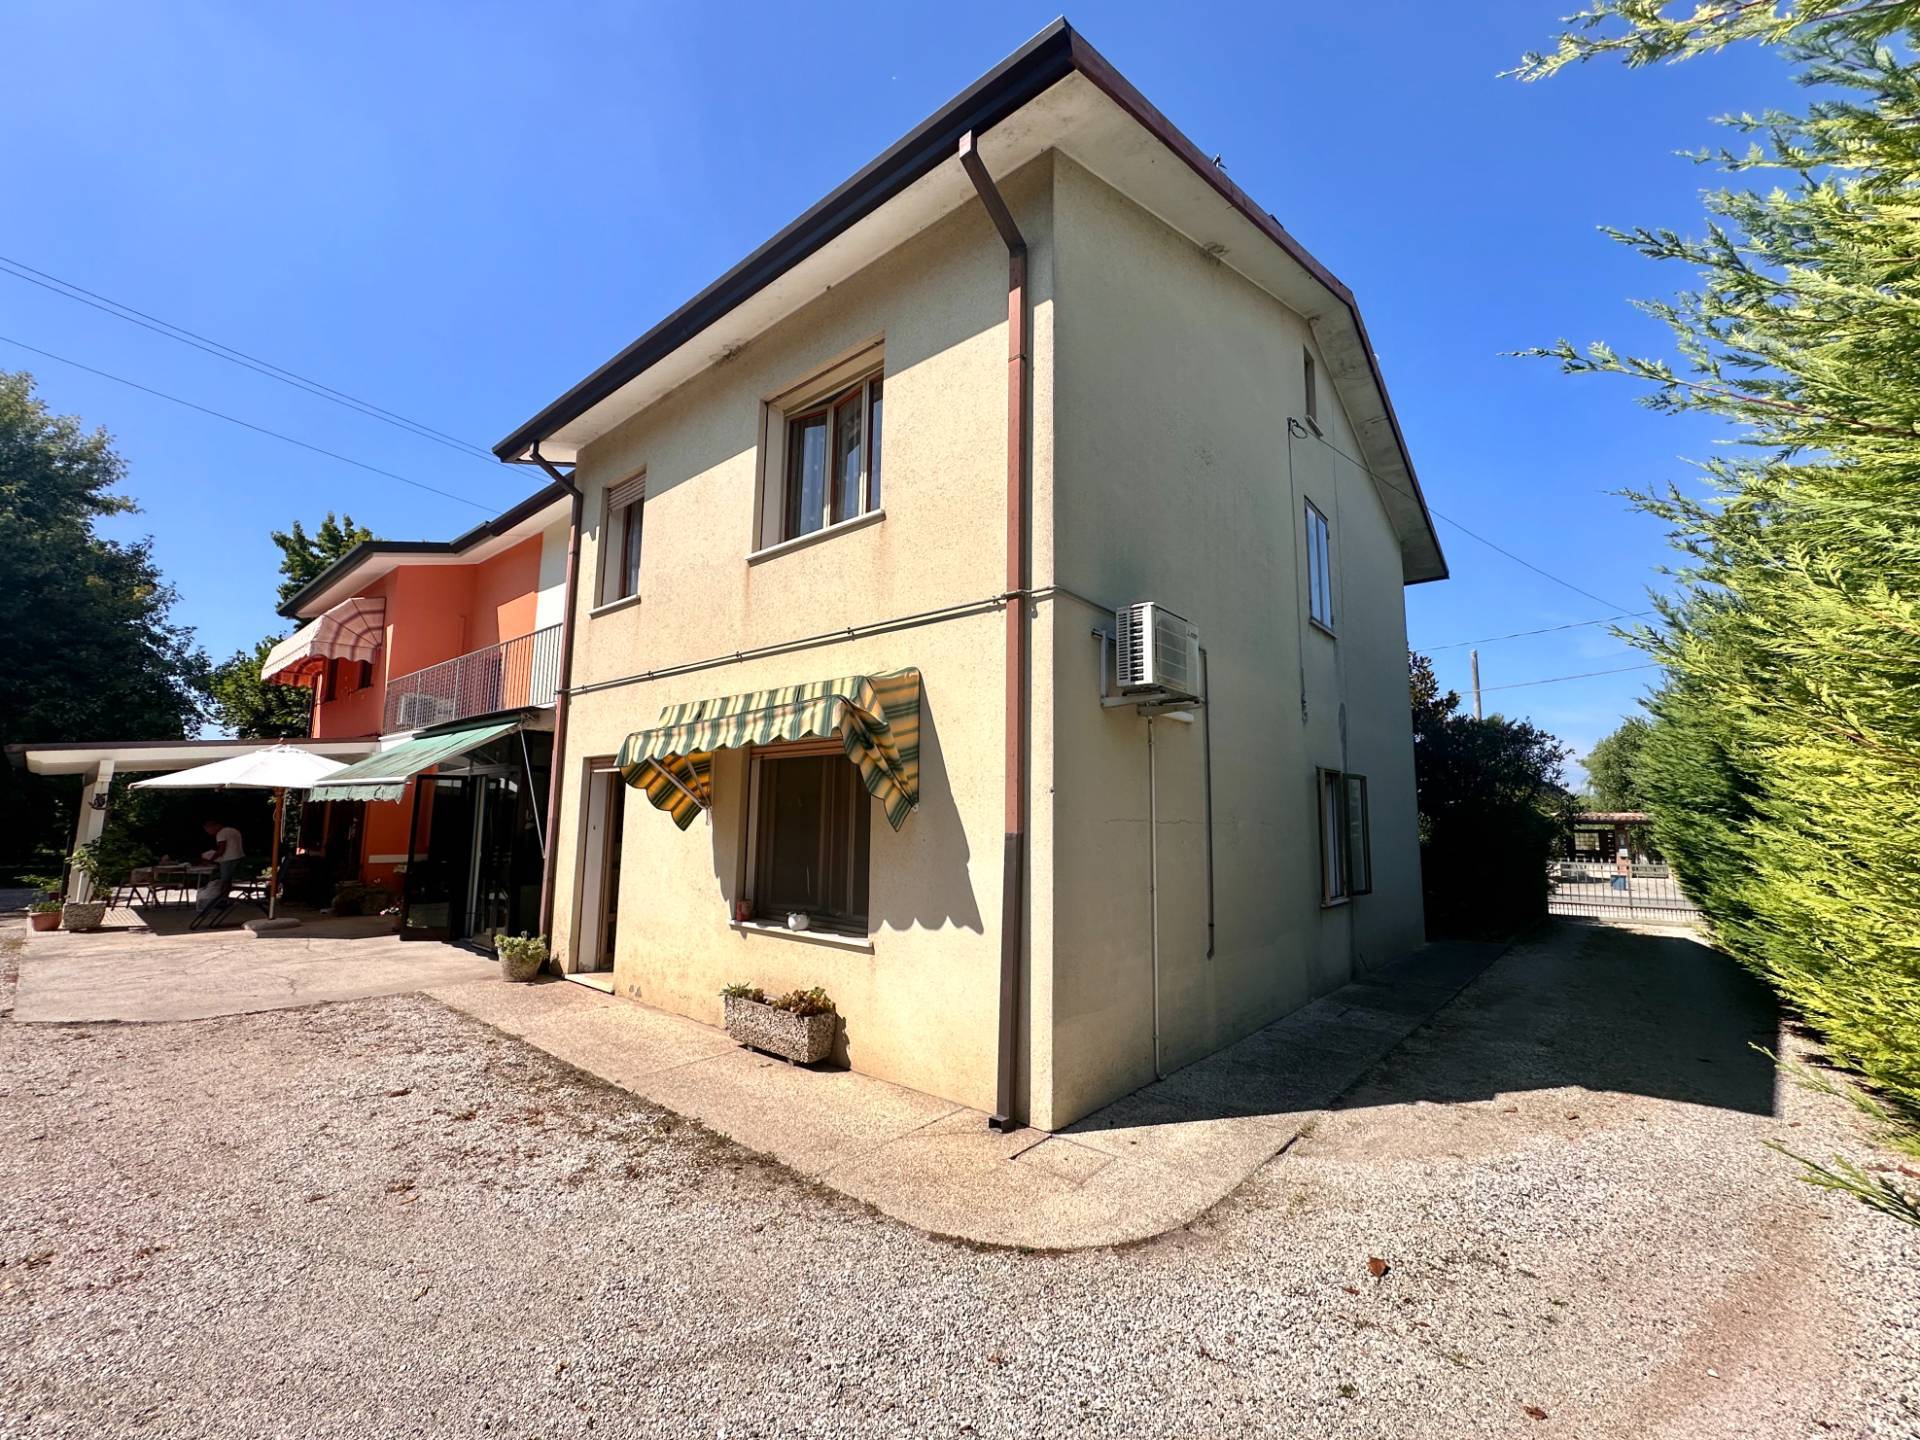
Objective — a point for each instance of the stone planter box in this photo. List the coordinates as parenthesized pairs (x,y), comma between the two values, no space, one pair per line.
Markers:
(83,915)
(520,969)
(799,1039)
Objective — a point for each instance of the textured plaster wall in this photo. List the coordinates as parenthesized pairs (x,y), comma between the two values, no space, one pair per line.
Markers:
(1174,481)
(920,1007)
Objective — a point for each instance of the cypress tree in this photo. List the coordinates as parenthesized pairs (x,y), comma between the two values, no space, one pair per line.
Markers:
(1783,768)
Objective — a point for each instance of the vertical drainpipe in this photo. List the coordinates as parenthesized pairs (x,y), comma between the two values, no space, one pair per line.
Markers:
(562,691)
(1014,860)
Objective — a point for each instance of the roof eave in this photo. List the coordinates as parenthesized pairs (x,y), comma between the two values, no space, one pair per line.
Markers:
(548,495)
(1049,57)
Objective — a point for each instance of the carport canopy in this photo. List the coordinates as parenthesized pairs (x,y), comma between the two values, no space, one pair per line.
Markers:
(97,762)
(384,776)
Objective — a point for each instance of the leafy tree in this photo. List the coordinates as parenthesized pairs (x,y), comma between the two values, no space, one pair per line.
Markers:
(303,556)
(88,645)
(248,706)
(1492,807)
(1783,768)
(1612,767)
(241,701)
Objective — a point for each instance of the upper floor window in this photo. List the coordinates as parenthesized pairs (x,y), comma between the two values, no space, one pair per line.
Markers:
(1312,389)
(1346,851)
(344,677)
(823,451)
(620,540)
(1319,570)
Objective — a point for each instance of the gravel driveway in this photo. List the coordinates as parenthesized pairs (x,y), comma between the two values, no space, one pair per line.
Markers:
(381,1218)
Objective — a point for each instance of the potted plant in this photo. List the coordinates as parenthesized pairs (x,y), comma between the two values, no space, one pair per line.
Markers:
(798,1026)
(43,911)
(521,956)
(86,914)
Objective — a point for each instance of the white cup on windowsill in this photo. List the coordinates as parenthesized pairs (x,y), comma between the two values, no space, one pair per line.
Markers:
(797,920)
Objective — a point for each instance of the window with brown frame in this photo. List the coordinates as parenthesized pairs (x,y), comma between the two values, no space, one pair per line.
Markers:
(1346,846)
(821,450)
(810,837)
(620,540)
(833,459)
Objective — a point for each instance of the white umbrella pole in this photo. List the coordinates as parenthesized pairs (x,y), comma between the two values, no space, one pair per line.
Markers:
(273,868)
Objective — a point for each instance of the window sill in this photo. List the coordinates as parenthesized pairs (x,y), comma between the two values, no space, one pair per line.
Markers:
(801,542)
(812,937)
(1336,903)
(624,602)
(1324,629)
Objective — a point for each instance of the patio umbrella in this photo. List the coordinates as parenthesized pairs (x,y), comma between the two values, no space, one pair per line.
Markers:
(278,768)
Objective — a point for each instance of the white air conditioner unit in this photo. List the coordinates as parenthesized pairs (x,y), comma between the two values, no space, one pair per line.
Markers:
(416,711)
(1158,652)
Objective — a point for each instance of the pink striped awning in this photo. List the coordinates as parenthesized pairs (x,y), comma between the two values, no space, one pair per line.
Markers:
(351,630)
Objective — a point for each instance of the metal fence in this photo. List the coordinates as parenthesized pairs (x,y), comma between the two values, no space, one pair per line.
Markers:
(509,676)
(1598,890)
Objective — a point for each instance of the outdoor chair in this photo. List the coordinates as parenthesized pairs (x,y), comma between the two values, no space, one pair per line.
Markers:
(217,913)
(139,888)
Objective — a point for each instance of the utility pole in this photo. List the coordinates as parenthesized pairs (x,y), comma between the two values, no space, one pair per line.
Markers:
(1476,685)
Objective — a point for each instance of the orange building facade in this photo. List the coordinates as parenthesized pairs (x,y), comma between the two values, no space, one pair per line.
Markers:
(446,652)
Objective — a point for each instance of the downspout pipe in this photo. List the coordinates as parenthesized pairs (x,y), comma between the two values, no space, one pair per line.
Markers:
(1013,907)
(563,691)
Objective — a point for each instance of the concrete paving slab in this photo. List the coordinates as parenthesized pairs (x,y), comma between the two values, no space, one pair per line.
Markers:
(1146,1164)
(809,1120)
(624,1044)
(135,976)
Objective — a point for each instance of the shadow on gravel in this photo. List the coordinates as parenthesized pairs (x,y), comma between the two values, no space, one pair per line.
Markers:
(1663,1016)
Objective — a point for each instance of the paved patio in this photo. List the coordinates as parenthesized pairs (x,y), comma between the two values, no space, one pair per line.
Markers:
(169,973)
(1144,1165)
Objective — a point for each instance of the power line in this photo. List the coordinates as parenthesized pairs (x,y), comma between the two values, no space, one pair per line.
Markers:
(1559,679)
(66,289)
(1522,634)
(1470,533)
(246,424)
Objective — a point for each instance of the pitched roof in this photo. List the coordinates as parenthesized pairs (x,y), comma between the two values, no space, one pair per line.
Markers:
(1055,92)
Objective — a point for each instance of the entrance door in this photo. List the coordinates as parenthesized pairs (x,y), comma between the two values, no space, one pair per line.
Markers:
(496,826)
(437,888)
(600,887)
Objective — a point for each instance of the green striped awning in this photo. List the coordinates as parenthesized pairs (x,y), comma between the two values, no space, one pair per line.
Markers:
(877,717)
(384,775)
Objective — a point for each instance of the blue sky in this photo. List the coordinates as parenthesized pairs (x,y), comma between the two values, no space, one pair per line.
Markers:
(457,211)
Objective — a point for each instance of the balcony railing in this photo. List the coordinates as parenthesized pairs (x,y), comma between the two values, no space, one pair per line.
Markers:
(509,676)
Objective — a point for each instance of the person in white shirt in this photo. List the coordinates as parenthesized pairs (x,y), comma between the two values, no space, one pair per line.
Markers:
(227,851)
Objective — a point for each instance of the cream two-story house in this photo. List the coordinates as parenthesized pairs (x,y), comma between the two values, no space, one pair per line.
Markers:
(860,522)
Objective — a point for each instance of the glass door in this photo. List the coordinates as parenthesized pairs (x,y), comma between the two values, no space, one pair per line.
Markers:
(496,826)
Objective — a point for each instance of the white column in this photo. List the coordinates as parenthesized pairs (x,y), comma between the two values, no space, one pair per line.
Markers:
(92,822)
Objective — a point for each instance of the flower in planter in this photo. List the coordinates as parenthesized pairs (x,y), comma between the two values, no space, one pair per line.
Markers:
(739,990)
(805,1002)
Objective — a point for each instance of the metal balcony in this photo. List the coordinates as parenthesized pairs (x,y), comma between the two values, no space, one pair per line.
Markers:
(512,675)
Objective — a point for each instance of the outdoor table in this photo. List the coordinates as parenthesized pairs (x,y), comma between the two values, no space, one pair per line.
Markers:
(186,878)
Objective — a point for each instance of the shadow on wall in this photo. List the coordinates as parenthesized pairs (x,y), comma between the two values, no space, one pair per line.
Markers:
(1604,1010)
(922,875)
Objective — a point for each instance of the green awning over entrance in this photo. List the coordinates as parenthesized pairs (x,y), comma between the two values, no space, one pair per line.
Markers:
(876,717)
(384,776)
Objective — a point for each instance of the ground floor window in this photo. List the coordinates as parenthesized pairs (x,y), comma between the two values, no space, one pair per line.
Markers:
(809,837)
(1346,857)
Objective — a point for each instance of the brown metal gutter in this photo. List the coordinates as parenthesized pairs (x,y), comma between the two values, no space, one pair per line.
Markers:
(563,692)
(1013,875)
